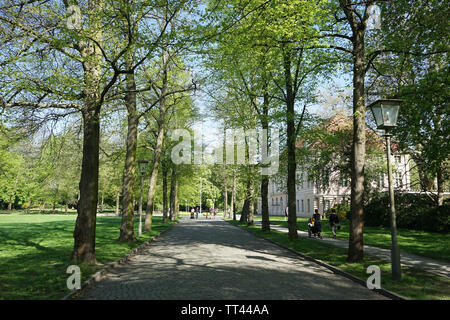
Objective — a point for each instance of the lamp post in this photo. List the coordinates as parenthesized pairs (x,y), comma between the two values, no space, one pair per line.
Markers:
(385,112)
(143,165)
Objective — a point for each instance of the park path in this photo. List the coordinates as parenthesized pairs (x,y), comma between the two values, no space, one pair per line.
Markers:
(213,260)
(440,268)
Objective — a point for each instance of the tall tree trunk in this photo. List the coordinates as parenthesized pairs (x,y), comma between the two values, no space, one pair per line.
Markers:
(11,196)
(225,201)
(159,145)
(164,174)
(356,242)
(153,179)
(251,201)
(265,223)
(265,204)
(244,213)
(117,203)
(233,197)
(291,138)
(84,233)
(173,194)
(29,205)
(127,227)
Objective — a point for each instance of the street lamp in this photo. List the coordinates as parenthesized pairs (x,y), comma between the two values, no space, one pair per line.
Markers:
(143,166)
(385,112)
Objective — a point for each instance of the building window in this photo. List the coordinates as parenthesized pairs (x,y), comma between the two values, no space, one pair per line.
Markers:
(308,205)
(298,208)
(343,180)
(398,180)
(302,181)
(303,206)
(398,159)
(381,180)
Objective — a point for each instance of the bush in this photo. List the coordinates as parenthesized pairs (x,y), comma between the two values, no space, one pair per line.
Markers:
(413,211)
(342,210)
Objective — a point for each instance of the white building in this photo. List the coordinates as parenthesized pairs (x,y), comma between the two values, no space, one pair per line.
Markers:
(310,196)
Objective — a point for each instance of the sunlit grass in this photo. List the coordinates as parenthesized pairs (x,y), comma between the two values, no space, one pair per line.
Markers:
(35,252)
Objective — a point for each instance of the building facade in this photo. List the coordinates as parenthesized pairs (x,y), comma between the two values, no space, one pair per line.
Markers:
(309,196)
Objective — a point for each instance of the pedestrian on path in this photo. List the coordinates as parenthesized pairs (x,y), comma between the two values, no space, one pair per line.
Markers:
(317,223)
(286,213)
(192,213)
(334,222)
(196,212)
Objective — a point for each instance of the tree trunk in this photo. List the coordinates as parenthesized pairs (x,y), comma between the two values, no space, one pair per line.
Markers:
(158,148)
(84,233)
(440,186)
(225,201)
(164,174)
(265,223)
(117,203)
(356,242)
(233,197)
(251,201)
(291,138)
(244,213)
(127,227)
(11,196)
(173,194)
(265,204)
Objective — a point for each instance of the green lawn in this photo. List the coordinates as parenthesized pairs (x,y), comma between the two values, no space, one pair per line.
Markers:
(35,251)
(427,244)
(415,283)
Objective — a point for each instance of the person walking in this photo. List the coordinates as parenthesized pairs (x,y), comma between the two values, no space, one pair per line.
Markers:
(286,213)
(196,213)
(334,222)
(192,213)
(317,223)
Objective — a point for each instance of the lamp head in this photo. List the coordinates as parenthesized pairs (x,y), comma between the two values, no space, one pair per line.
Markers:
(385,112)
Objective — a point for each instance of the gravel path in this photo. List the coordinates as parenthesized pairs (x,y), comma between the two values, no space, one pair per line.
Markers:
(213,260)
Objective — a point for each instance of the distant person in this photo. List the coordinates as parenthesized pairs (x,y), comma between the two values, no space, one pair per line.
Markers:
(192,213)
(196,212)
(334,222)
(317,223)
(286,213)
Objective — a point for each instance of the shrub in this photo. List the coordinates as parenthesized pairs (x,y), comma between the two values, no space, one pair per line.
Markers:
(413,211)
(342,210)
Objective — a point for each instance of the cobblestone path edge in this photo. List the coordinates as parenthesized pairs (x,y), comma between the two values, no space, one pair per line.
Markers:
(101,273)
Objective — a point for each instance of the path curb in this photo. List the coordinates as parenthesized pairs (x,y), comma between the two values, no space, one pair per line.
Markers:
(96,277)
(335,270)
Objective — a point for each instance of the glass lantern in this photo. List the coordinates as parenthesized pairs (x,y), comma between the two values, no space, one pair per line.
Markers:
(385,112)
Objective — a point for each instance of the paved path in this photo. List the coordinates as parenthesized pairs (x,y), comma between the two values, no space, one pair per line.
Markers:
(213,260)
(407,259)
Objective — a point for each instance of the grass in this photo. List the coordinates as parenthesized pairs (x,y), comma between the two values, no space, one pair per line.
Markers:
(415,284)
(427,244)
(35,252)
